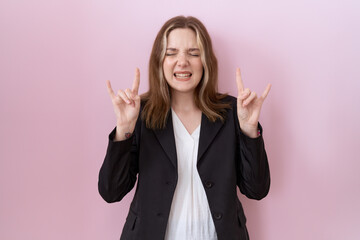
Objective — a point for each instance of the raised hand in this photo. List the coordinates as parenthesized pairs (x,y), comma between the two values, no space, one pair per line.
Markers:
(249,106)
(126,105)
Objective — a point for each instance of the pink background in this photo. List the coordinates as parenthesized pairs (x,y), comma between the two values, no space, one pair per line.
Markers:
(55,57)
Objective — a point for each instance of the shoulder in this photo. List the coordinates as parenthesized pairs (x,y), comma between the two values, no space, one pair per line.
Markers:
(229,100)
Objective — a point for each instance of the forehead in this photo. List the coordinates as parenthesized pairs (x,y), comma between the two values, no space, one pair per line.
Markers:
(182,38)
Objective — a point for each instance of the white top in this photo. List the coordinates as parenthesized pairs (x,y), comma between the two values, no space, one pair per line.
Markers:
(190,216)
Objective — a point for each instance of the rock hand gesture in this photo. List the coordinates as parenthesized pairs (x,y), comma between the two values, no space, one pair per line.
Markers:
(248,107)
(126,105)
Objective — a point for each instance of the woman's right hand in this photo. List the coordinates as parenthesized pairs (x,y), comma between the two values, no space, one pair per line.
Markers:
(126,105)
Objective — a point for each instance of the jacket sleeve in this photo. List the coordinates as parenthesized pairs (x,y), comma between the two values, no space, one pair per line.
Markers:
(118,172)
(253,174)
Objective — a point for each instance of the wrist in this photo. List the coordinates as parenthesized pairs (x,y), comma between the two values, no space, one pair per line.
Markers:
(252,132)
(123,132)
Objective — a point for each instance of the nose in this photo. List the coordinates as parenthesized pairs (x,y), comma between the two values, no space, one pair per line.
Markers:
(182,60)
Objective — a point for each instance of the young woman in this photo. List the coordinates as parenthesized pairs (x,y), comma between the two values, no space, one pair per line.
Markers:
(187,145)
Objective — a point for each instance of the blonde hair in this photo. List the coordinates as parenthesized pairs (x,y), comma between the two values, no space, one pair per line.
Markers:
(157,101)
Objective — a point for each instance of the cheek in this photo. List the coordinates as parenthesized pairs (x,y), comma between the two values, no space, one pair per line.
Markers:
(199,67)
(167,69)
(167,66)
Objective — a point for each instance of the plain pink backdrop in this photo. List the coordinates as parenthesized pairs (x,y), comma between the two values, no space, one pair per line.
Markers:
(55,57)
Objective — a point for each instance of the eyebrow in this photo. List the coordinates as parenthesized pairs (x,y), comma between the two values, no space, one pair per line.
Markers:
(193,49)
(190,49)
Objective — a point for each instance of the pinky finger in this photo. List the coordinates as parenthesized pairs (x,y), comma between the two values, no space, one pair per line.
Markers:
(266,92)
(109,88)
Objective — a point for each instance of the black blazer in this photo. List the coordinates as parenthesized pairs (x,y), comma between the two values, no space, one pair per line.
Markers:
(226,159)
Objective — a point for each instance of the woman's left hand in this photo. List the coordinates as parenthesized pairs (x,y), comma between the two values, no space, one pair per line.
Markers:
(248,107)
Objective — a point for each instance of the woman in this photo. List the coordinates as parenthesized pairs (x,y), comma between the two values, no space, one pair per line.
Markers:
(187,145)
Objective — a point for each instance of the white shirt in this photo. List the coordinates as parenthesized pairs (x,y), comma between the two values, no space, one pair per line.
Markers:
(190,216)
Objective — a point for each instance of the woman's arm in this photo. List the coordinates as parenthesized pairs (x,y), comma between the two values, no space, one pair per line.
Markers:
(253,174)
(118,172)
(253,168)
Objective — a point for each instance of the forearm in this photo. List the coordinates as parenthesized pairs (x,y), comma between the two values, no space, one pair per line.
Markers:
(118,172)
(254,174)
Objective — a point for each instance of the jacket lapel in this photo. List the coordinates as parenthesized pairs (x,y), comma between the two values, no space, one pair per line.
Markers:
(167,140)
(208,131)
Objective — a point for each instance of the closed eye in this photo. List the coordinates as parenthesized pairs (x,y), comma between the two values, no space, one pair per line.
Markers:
(170,52)
(194,52)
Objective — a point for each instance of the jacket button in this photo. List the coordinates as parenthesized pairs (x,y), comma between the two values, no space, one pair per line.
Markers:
(217,216)
(208,184)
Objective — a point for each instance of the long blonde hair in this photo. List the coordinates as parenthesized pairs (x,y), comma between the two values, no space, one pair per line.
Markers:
(157,101)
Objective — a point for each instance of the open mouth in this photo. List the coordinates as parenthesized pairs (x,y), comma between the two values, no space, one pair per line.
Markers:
(182,75)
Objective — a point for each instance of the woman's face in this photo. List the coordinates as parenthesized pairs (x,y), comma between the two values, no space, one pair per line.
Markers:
(182,64)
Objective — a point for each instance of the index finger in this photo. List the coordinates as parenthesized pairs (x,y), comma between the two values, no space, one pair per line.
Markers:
(136,83)
(239,82)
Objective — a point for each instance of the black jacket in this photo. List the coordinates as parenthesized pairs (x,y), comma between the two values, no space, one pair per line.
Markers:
(226,159)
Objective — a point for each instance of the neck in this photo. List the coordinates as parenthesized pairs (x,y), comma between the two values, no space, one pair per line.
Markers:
(183,102)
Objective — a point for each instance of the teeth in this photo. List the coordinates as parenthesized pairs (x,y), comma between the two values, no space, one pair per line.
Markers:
(182,75)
